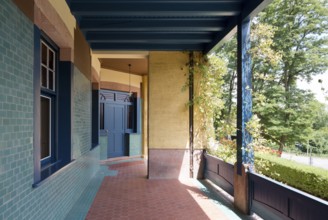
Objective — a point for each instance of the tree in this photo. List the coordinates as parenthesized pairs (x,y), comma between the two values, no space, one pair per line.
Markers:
(264,61)
(272,113)
(319,138)
(300,36)
(289,42)
(226,123)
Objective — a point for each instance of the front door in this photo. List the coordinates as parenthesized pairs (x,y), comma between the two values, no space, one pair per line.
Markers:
(114,124)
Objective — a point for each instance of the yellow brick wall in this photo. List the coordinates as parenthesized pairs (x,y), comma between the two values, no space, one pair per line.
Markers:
(168,112)
(107,75)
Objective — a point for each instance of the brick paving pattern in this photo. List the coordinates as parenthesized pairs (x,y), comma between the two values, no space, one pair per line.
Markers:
(130,195)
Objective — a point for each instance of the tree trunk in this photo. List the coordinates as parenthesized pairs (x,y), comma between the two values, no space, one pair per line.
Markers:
(231,88)
(281,145)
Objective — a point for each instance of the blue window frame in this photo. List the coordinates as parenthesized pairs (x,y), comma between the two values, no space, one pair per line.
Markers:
(130,116)
(96,111)
(48,82)
(53,83)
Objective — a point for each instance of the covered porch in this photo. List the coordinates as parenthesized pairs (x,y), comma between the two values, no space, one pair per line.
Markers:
(67,55)
(157,42)
(166,37)
(124,192)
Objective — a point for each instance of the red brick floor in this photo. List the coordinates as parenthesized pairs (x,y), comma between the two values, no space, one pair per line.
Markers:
(130,195)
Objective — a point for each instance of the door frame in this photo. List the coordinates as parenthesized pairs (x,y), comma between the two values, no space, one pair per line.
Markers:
(112,97)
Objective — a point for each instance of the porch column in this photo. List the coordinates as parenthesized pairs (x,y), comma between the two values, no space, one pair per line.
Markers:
(245,154)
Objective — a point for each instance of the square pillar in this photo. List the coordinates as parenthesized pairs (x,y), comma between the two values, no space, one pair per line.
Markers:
(245,155)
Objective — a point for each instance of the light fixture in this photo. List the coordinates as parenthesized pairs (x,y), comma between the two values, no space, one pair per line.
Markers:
(130,93)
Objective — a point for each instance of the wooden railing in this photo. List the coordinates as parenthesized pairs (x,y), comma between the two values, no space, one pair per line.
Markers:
(268,198)
(273,200)
(219,172)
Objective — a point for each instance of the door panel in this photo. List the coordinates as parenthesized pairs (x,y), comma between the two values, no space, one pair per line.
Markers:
(114,124)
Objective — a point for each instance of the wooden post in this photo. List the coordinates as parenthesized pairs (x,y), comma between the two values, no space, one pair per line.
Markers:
(245,155)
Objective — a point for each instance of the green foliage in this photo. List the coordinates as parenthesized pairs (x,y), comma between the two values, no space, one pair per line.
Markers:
(226,121)
(208,95)
(208,73)
(254,127)
(306,178)
(289,42)
(300,35)
(300,38)
(309,179)
(226,151)
(286,124)
(321,116)
(319,138)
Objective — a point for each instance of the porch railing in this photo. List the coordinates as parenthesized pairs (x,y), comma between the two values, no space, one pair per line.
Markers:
(268,198)
(272,199)
(219,172)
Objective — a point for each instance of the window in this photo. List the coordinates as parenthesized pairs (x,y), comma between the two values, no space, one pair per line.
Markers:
(102,109)
(130,116)
(45,127)
(52,108)
(48,67)
(47,104)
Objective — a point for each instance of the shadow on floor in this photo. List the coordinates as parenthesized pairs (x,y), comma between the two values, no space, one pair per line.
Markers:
(120,190)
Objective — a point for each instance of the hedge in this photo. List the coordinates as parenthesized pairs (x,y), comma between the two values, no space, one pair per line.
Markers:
(307,178)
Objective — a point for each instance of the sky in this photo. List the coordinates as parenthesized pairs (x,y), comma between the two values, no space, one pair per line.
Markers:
(315,86)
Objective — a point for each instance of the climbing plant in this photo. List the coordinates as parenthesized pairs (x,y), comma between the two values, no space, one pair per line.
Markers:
(207,73)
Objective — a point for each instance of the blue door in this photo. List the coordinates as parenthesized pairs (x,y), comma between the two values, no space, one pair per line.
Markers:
(114,124)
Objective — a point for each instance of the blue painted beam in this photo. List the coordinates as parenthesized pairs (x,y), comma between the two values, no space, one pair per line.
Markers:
(245,154)
(151,25)
(148,37)
(221,36)
(159,1)
(250,9)
(147,18)
(153,18)
(162,8)
(147,47)
(253,7)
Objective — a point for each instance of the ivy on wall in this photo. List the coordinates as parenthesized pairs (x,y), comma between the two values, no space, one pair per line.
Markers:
(207,73)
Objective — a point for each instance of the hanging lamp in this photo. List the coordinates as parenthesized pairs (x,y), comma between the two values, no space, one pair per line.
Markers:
(130,93)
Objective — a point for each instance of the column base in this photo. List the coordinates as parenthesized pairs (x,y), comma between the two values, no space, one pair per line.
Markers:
(173,163)
(241,200)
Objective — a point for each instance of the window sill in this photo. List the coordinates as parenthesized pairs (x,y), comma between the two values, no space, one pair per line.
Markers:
(51,171)
(103,132)
(94,145)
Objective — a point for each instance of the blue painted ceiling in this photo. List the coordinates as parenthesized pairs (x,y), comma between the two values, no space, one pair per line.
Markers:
(160,24)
